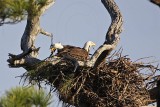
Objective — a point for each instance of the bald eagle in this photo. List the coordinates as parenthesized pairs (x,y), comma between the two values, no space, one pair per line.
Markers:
(73,53)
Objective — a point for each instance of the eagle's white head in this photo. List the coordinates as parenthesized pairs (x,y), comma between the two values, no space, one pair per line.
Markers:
(56,46)
(88,45)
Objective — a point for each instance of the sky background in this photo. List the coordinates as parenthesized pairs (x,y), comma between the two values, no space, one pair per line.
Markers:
(74,22)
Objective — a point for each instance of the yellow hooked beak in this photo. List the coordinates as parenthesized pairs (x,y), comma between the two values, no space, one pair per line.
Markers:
(53,49)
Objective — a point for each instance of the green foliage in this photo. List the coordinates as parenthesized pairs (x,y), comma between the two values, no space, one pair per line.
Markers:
(66,85)
(13,11)
(40,98)
(25,97)
(40,2)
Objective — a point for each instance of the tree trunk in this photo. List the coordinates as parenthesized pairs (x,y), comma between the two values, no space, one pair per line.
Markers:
(30,53)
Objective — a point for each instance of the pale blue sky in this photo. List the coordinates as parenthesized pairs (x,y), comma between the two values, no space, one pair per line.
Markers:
(76,21)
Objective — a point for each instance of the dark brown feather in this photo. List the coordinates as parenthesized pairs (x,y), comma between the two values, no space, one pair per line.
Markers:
(75,52)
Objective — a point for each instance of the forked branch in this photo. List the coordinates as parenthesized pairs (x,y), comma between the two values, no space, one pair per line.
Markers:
(112,36)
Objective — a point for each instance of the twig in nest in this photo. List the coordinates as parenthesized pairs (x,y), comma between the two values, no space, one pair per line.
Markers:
(101,86)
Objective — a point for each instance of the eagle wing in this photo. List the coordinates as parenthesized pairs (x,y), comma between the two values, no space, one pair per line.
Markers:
(79,54)
(75,52)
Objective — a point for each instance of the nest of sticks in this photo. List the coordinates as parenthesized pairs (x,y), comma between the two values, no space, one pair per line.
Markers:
(117,83)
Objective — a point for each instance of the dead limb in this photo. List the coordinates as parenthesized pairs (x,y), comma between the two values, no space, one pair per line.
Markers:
(112,36)
(42,31)
(113,33)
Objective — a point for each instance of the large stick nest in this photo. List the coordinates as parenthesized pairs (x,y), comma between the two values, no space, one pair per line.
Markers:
(119,82)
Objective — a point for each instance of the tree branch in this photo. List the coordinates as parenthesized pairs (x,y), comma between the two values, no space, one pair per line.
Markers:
(112,36)
(29,36)
(47,5)
(26,62)
(42,31)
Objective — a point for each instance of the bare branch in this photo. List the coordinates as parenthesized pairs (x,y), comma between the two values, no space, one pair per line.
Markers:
(117,21)
(112,36)
(26,63)
(42,31)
